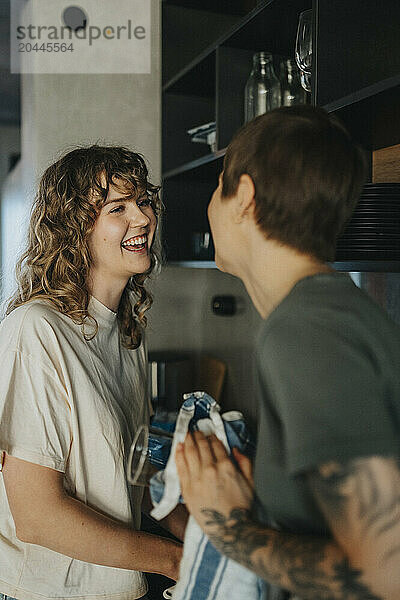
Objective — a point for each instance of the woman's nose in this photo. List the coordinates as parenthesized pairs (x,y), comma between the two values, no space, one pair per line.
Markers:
(138,217)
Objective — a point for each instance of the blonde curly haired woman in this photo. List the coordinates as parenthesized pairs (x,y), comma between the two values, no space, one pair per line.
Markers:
(73,386)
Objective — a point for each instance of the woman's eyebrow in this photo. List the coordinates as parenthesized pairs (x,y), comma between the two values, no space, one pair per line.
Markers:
(121,199)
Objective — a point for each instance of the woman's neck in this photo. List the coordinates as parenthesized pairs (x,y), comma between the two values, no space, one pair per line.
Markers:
(274,273)
(107,292)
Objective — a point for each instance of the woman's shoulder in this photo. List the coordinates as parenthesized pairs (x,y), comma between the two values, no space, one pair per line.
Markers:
(31,322)
(32,311)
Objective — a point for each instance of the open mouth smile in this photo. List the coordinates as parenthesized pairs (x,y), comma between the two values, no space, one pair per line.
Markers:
(136,244)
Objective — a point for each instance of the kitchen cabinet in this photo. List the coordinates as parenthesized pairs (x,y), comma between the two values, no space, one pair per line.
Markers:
(356,75)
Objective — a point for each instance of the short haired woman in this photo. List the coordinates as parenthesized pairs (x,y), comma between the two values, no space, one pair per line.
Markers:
(325,522)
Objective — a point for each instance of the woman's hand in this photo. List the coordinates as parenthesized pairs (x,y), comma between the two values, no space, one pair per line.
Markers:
(210,481)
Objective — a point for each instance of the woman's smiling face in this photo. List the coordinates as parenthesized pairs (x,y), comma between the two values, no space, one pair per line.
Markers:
(121,239)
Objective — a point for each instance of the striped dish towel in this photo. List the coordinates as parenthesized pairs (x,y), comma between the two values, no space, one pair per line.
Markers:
(205,574)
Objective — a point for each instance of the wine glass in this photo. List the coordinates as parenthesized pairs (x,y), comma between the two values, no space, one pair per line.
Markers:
(303,50)
(305,81)
(148,454)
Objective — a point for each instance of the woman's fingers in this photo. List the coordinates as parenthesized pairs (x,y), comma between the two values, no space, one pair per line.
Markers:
(182,466)
(199,452)
(191,458)
(244,464)
(205,453)
(196,451)
(217,448)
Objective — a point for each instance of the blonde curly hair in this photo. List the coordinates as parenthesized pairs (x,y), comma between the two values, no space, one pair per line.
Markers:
(56,263)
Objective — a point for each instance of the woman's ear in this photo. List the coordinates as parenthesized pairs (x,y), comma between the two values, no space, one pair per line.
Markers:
(245,205)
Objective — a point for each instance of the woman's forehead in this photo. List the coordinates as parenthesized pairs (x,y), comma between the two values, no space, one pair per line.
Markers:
(116,191)
(114,184)
(118,187)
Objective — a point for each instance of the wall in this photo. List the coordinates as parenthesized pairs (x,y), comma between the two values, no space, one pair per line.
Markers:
(181,319)
(10,143)
(62,111)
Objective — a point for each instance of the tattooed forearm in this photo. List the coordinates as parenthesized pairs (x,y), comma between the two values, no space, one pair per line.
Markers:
(309,566)
(362,498)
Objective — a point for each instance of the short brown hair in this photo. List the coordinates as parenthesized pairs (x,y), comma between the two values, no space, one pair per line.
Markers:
(308,175)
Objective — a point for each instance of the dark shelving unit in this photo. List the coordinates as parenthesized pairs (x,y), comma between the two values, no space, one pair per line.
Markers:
(357,47)
(195,164)
(188,191)
(356,75)
(357,67)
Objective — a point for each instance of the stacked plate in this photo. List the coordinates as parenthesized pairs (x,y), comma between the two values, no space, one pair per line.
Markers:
(373,232)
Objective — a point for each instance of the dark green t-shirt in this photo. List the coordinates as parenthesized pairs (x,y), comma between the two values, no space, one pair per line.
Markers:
(328,362)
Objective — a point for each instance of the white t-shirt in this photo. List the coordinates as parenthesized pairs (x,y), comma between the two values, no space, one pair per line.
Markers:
(72,405)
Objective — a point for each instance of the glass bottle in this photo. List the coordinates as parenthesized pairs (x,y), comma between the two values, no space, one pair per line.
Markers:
(263,90)
(291,88)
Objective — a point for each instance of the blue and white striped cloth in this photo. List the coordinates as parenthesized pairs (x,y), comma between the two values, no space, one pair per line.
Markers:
(205,574)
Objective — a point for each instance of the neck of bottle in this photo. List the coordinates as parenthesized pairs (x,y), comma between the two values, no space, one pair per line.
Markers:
(262,65)
(289,73)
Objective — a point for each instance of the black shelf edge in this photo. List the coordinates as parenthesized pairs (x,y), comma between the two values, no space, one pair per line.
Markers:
(371,266)
(193,63)
(363,94)
(217,8)
(193,264)
(213,47)
(198,162)
(194,164)
(356,266)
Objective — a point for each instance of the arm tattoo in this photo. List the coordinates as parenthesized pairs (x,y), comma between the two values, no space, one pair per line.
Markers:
(370,489)
(298,563)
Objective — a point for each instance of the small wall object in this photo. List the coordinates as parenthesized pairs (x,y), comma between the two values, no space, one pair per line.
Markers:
(224,305)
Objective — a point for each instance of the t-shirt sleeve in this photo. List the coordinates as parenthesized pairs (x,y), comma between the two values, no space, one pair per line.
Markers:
(328,393)
(34,412)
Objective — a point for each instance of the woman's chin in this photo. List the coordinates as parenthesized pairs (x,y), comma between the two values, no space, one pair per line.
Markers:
(142,267)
